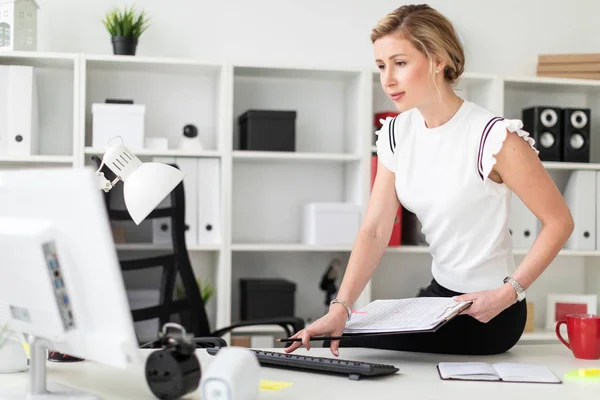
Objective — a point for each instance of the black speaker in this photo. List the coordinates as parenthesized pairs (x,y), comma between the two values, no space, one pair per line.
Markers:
(576,134)
(544,124)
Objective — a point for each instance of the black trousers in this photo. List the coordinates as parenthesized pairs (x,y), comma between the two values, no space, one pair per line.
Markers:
(461,335)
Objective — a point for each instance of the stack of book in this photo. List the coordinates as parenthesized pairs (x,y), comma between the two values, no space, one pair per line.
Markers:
(580,66)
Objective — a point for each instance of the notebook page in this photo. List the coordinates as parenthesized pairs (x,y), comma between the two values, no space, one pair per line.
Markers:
(468,370)
(401,314)
(525,373)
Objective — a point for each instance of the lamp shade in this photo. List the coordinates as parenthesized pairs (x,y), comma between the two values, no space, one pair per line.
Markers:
(145,185)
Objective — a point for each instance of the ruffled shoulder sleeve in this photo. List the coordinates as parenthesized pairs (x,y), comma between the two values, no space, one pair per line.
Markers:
(491,142)
(386,143)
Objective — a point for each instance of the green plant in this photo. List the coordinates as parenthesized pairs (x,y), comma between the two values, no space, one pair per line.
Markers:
(206,289)
(126,22)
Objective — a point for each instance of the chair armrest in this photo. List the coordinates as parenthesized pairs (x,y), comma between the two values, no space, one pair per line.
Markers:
(208,342)
(295,323)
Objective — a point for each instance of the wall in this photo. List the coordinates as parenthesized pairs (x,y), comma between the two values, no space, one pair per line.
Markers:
(500,36)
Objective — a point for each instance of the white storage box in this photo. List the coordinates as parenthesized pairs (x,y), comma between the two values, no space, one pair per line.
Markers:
(331,223)
(124,120)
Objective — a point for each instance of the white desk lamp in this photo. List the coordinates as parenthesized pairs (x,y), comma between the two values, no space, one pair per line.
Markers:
(145,185)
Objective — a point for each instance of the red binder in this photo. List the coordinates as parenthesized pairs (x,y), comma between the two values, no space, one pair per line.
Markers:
(396,237)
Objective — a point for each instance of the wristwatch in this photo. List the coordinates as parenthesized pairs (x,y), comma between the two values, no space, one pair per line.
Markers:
(518,288)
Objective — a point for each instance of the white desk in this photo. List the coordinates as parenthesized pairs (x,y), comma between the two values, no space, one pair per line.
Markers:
(417,378)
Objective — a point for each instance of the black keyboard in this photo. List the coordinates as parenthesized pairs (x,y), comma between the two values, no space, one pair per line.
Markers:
(354,369)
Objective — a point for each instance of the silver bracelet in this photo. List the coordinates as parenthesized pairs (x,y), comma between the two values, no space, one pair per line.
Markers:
(342,302)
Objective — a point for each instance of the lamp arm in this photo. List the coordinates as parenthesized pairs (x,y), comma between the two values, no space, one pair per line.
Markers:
(104,183)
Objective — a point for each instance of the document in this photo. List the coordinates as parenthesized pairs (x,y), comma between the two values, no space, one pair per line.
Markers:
(404,315)
(504,372)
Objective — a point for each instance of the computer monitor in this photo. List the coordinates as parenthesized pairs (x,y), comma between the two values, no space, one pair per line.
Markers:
(60,280)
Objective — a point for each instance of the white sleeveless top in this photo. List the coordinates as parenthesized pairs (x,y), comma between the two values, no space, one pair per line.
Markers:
(442,177)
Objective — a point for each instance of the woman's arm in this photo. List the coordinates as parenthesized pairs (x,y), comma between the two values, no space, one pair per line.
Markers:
(521,170)
(373,236)
(371,240)
(518,166)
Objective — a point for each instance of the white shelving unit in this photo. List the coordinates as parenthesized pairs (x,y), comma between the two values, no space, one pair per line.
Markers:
(37,159)
(262,193)
(57,78)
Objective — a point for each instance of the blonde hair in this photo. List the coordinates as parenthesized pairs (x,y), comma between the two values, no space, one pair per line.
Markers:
(430,32)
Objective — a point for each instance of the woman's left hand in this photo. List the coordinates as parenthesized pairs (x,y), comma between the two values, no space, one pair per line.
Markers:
(488,303)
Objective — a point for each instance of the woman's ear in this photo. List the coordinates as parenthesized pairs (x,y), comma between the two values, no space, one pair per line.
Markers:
(439,65)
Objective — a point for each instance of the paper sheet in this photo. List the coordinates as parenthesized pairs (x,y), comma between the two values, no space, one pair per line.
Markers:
(525,372)
(419,313)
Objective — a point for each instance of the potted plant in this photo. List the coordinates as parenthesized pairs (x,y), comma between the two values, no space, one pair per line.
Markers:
(125,27)
(206,288)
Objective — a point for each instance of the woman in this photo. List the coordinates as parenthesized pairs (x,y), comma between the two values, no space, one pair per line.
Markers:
(455,165)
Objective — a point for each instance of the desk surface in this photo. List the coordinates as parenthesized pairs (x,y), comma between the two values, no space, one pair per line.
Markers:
(417,378)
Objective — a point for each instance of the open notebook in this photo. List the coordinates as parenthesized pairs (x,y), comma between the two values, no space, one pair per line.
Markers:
(419,314)
(504,372)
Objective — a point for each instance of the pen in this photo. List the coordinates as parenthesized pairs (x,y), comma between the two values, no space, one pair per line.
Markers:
(314,338)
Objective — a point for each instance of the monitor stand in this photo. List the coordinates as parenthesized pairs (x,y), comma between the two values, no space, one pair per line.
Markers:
(37,387)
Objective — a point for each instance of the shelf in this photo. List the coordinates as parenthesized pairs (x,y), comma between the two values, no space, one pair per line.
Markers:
(161,153)
(288,247)
(539,336)
(292,156)
(39,59)
(293,72)
(570,166)
(408,249)
(151,64)
(162,247)
(540,83)
(565,253)
(37,159)
(518,252)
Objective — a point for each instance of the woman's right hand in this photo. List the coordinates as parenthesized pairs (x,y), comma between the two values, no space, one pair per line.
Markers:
(331,324)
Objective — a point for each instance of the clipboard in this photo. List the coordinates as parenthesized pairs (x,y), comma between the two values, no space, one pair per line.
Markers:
(350,335)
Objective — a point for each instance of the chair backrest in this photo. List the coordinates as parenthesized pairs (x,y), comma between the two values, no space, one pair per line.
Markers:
(190,310)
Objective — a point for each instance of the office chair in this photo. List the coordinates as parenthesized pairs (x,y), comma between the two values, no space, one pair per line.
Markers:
(190,310)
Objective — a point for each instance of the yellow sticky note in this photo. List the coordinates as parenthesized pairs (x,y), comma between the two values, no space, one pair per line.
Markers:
(584,374)
(274,385)
(26,348)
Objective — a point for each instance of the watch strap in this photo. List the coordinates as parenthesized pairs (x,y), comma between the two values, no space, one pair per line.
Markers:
(518,288)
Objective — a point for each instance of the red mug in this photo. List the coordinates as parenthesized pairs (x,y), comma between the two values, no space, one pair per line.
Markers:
(583,331)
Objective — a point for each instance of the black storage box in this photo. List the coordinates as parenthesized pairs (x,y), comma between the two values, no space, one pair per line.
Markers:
(268,130)
(266,298)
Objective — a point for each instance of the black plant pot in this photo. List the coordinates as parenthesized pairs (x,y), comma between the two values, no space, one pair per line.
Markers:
(124,45)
